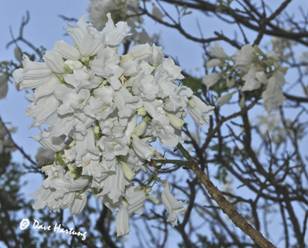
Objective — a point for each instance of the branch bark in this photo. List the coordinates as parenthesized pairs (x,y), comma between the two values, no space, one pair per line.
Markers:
(226,206)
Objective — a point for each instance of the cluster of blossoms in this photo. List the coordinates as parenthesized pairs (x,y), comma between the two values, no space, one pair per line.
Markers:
(100,113)
(250,70)
(120,10)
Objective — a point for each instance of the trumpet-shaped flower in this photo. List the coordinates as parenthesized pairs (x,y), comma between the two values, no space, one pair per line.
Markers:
(173,206)
(122,220)
(199,110)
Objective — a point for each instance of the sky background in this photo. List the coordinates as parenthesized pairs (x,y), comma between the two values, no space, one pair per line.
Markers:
(46,27)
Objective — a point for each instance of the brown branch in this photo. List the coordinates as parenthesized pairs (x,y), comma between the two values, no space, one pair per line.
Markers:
(226,206)
(230,211)
(297,99)
(19,148)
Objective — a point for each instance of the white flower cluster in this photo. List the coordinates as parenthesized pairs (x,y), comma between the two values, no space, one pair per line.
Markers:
(100,112)
(250,69)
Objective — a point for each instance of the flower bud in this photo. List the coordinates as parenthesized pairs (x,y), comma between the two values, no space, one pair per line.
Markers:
(175,121)
(18,54)
(128,172)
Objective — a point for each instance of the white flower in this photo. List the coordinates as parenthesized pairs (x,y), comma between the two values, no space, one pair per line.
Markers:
(18,75)
(43,109)
(50,142)
(156,111)
(32,75)
(114,34)
(173,206)
(78,204)
(173,71)
(273,95)
(175,121)
(74,101)
(253,79)
(106,63)
(146,87)
(140,52)
(80,78)
(142,149)
(114,184)
(217,51)
(213,63)
(86,145)
(249,64)
(114,146)
(87,41)
(122,220)
(66,51)
(59,189)
(135,198)
(54,61)
(199,111)
(119,9)
(128,172)
(157,56)
(126,103)
(51,87)
(100,106)
(224,98)
(44,156)
(66,183)
(165,132)
(245,56)
(156,12)
(211,79)
(178,99)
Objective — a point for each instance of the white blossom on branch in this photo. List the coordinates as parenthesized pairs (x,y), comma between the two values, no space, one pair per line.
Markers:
(100,113)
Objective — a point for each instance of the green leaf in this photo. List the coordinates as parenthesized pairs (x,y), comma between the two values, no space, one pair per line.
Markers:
(192,82)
